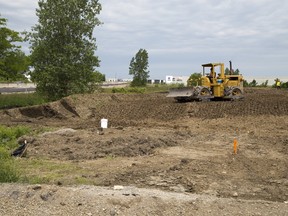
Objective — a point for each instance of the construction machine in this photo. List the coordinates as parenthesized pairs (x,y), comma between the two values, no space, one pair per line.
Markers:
(213,86)
(277,83)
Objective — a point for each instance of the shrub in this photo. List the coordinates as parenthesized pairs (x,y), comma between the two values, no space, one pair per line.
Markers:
(9,135)
(118,90)
(8,141)
(8,168)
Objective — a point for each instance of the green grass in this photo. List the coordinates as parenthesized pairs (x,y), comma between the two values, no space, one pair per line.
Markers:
(39,171)
(9,171)
(13,169)
(9,135)
(151,88)
(161,87)
(20,100)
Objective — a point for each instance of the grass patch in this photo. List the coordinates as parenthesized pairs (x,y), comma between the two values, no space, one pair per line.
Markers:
(151,88)
(9,136)
(82,180)
(8,101)
(46,171)
(162,87)
(9,171)
(39,171)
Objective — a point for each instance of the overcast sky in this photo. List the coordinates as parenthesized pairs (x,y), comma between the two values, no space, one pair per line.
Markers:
(180,35)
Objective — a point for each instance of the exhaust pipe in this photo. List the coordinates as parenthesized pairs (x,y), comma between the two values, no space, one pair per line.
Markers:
(231,70)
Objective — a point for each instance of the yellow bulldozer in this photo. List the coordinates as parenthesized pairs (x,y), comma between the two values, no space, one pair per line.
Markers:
(215,84)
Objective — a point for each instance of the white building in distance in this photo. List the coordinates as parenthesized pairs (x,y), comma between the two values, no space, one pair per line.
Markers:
(176,79)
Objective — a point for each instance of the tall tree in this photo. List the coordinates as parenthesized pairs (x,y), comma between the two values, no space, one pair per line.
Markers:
(234,72)
(245,83)
(63,47)
(253,83)
(194,79)
(13,62)
(139,68)
(227,71)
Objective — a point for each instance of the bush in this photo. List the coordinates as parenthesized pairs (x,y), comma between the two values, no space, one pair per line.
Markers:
(8,141)
(9,135)
(8,168)
(118,90)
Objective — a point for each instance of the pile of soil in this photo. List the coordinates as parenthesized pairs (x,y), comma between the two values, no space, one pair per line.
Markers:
(155,142)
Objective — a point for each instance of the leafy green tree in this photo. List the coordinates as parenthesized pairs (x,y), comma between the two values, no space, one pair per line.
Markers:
(227,71)
(253,83)
(245,83)
(13,62)
(63,47)
(194,79)
(234,72)
(139,68)
(264,84)
(99,77)
(284,85)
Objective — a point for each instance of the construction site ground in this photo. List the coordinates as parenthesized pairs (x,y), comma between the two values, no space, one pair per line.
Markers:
(157,156)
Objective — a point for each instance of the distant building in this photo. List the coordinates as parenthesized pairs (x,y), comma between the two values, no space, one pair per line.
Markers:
(127,80)
(155,81)
(176,79)
(113,80)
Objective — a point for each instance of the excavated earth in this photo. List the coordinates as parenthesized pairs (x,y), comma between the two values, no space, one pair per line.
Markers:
(157,156)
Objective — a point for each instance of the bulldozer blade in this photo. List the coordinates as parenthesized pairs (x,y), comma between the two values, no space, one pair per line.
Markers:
(182,92)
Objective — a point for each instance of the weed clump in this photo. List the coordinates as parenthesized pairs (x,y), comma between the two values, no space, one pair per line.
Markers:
(9,171)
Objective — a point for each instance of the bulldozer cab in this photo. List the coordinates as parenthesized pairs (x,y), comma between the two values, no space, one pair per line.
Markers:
(212,73)
(216,70)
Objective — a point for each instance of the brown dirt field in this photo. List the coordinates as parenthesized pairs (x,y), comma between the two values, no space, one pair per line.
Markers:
(154,142)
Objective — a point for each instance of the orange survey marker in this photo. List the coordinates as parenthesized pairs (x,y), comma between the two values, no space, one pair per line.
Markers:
(235,145)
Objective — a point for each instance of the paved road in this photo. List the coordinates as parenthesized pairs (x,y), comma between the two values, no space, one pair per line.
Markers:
(16,90)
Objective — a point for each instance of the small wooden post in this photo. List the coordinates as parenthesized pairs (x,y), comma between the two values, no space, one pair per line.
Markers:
(235,146)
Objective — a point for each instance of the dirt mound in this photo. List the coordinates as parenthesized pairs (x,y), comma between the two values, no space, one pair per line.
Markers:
(69,144)
(120,109)
(153,141)
(134,109)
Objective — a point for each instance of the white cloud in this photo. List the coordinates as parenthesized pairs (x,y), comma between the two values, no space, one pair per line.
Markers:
(183,33)
(20,13)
